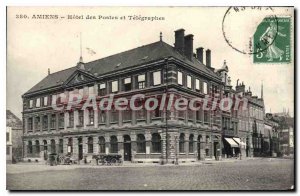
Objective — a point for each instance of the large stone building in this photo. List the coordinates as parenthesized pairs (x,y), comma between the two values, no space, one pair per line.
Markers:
(139,136)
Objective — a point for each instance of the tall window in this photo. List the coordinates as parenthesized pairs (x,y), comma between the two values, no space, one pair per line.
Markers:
(157,113)
(53,99)
(141,81)
(61,146)
(114,117)
(53,121)
(205,88)
(45,101)
(102,117)
(81,117)
(197,85)
(71,119)
(30,127)
(70,145)
(45,122)
(156,78)
(29,151)
(38,102)
(189,81)
(141,143)
(91,117)
(102,89)
(90,145)
(199,115)
(156,143)
(7,136)
(206,116)
(181,143)
(179,78)
(191,143)
(101,144)
(127,84)
(114,86)
(37,147)
(127,115)
(53,146)
(61,120)
(37,123)
(30,103)
(113,144)
(140,114)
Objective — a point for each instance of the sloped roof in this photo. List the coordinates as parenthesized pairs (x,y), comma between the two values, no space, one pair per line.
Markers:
(12,120)
(141,55)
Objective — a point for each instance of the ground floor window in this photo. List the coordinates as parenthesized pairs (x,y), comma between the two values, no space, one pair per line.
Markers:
(29,151)
(141,143)
(90,145)
(191,143)
(156,143)
(101,144)
(61,146)
(113,144)
(181,143)
(37,147)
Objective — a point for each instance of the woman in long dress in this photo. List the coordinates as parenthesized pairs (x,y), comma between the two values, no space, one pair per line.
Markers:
(273,52)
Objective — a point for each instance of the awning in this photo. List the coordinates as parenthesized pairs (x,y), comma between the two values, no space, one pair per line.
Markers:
(238,140)
(232,143)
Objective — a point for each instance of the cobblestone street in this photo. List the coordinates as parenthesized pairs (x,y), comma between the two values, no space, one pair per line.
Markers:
(259,174)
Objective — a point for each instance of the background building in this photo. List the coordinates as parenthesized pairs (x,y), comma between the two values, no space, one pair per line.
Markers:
(14,132)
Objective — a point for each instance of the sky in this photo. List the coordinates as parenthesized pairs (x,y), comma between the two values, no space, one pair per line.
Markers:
(34,45)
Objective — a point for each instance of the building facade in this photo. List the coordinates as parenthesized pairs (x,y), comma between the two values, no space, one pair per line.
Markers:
(140,136)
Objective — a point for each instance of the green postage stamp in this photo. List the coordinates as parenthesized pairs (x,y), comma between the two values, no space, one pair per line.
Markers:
(272,40)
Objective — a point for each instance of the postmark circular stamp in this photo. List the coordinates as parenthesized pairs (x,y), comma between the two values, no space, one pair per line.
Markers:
(258,31)
(240,24)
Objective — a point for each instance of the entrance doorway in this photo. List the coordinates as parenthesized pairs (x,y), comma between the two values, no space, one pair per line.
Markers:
(216,146)
(80,149)
(127,148)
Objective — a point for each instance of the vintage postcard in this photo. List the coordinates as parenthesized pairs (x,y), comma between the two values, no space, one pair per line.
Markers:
(150,98)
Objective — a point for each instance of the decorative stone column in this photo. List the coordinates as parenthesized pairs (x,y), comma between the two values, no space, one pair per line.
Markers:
(202,147)
(66,117)
(195,150)
(95,145)
(148,138)
(84,145)
(75,148)
(107,143)
(163,137)
(120,144)
(65,146)
(133,146)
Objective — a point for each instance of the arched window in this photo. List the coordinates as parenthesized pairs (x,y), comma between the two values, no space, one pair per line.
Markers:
(113,144)
(156,143)
(61,146)
(53,147)
(101,144)
(37,147)
(141,143)
(29,147)
(90,145)
(181,143)
(70,145)
(45,145)
(191,143)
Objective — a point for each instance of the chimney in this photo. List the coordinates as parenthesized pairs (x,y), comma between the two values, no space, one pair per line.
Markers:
(48,71)
(199,52)
(179,41)
(188,46)
(208,62)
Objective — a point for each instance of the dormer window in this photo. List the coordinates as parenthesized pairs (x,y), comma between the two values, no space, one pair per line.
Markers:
(127,84)
(197,86)
(102,89)
(141,81)
(114,86)
(179,78)
(205,88)
(30,103)
(38,102)
(156,78)
(189,81)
